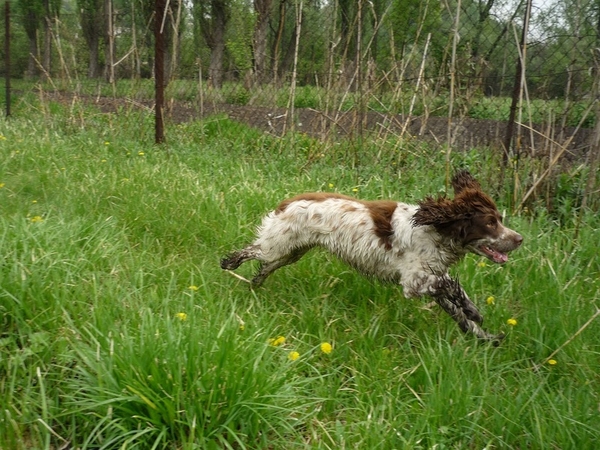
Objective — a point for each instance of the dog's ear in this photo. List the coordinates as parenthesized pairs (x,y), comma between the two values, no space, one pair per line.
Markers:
(438,212)
(446,216)
(463,180)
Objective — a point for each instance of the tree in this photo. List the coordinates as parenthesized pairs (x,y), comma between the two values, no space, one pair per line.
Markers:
(32,12)
(210,19)
(51,12)
(91,18)
(262,9)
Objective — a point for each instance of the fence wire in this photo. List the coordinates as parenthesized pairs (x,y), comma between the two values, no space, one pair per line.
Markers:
(446,71)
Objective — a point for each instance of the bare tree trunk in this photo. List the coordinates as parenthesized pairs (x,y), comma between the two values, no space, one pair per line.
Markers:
(216,42)
(46,57)
(93,65)
(215,71)
(277,44)
(33,54)
(110,42)
(263,10)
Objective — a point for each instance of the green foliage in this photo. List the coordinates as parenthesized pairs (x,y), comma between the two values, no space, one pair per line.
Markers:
(119,329)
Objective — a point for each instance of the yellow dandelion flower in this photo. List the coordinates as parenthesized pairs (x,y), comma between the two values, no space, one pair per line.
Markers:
(2,137)
(36,219)
(330,185)
(242,327)
(293,356)
(193,288)
(276,342)
(34,201)
(2,185)
(106,143)
(355,190)
(326,348)
(512,322)
(103,160)
(552,362)
(481,264)
(490,300)
(141,153)
(181,316)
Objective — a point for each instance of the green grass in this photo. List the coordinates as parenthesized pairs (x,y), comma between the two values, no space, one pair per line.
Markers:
(105,240)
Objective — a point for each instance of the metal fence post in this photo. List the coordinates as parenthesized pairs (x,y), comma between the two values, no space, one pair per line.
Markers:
(159,71)
(7,54)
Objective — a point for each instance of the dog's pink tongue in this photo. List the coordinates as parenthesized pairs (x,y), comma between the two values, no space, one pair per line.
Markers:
(500,258)
(495,255)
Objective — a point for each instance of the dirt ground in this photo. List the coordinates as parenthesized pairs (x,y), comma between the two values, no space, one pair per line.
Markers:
(466,133)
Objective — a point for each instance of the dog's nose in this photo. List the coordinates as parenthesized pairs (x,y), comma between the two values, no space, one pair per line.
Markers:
(518,239)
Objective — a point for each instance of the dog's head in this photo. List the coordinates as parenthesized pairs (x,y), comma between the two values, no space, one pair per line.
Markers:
(471,220)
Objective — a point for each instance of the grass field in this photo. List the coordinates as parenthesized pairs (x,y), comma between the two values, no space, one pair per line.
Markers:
(119,329)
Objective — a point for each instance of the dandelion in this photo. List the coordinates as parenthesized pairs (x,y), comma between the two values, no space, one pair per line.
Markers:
(512,322)
(490,300)
(1,185)
(552,362)
(242,327)
(36,219)
(326,348)
(106,143)
(103,160)
(355,190)
(193,288)
(181,316)
(293,356)
(481,264)
(2,137)
(276,342)
(34,201)
(141,153)
(330,185)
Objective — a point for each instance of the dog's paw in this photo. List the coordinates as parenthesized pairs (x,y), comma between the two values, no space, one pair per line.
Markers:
(230,263)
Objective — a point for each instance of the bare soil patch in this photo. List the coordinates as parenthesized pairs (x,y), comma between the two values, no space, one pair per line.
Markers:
(466,133)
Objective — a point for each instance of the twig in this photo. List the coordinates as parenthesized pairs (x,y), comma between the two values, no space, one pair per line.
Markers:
(449,137)
(568,341)
(239,277)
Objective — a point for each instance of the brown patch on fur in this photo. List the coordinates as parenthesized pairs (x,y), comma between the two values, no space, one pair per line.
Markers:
(381,212)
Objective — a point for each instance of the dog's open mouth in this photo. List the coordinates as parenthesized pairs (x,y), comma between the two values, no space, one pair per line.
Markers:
(493,254)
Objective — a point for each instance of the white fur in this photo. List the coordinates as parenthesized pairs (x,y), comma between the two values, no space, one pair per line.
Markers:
(344,227)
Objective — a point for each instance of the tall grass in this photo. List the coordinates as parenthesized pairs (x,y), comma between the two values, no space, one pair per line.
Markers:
(120,330)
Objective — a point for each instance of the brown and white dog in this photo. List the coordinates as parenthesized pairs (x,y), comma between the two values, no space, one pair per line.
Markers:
(412,245)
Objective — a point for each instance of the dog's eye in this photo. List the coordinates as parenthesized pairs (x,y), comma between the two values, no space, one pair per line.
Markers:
(492,223)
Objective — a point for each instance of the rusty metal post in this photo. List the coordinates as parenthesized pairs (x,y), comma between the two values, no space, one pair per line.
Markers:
(159,71)
(7,54)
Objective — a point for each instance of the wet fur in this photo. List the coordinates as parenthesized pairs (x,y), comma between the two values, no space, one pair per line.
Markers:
(412,245)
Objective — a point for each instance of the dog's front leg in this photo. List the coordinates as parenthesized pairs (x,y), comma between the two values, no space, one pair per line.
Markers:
(453,291)
(454,300)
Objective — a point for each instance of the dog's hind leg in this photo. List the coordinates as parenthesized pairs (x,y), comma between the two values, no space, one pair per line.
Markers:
(268,267)
(238,258)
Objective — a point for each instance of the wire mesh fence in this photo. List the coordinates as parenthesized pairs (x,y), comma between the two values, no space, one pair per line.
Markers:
(519,75)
